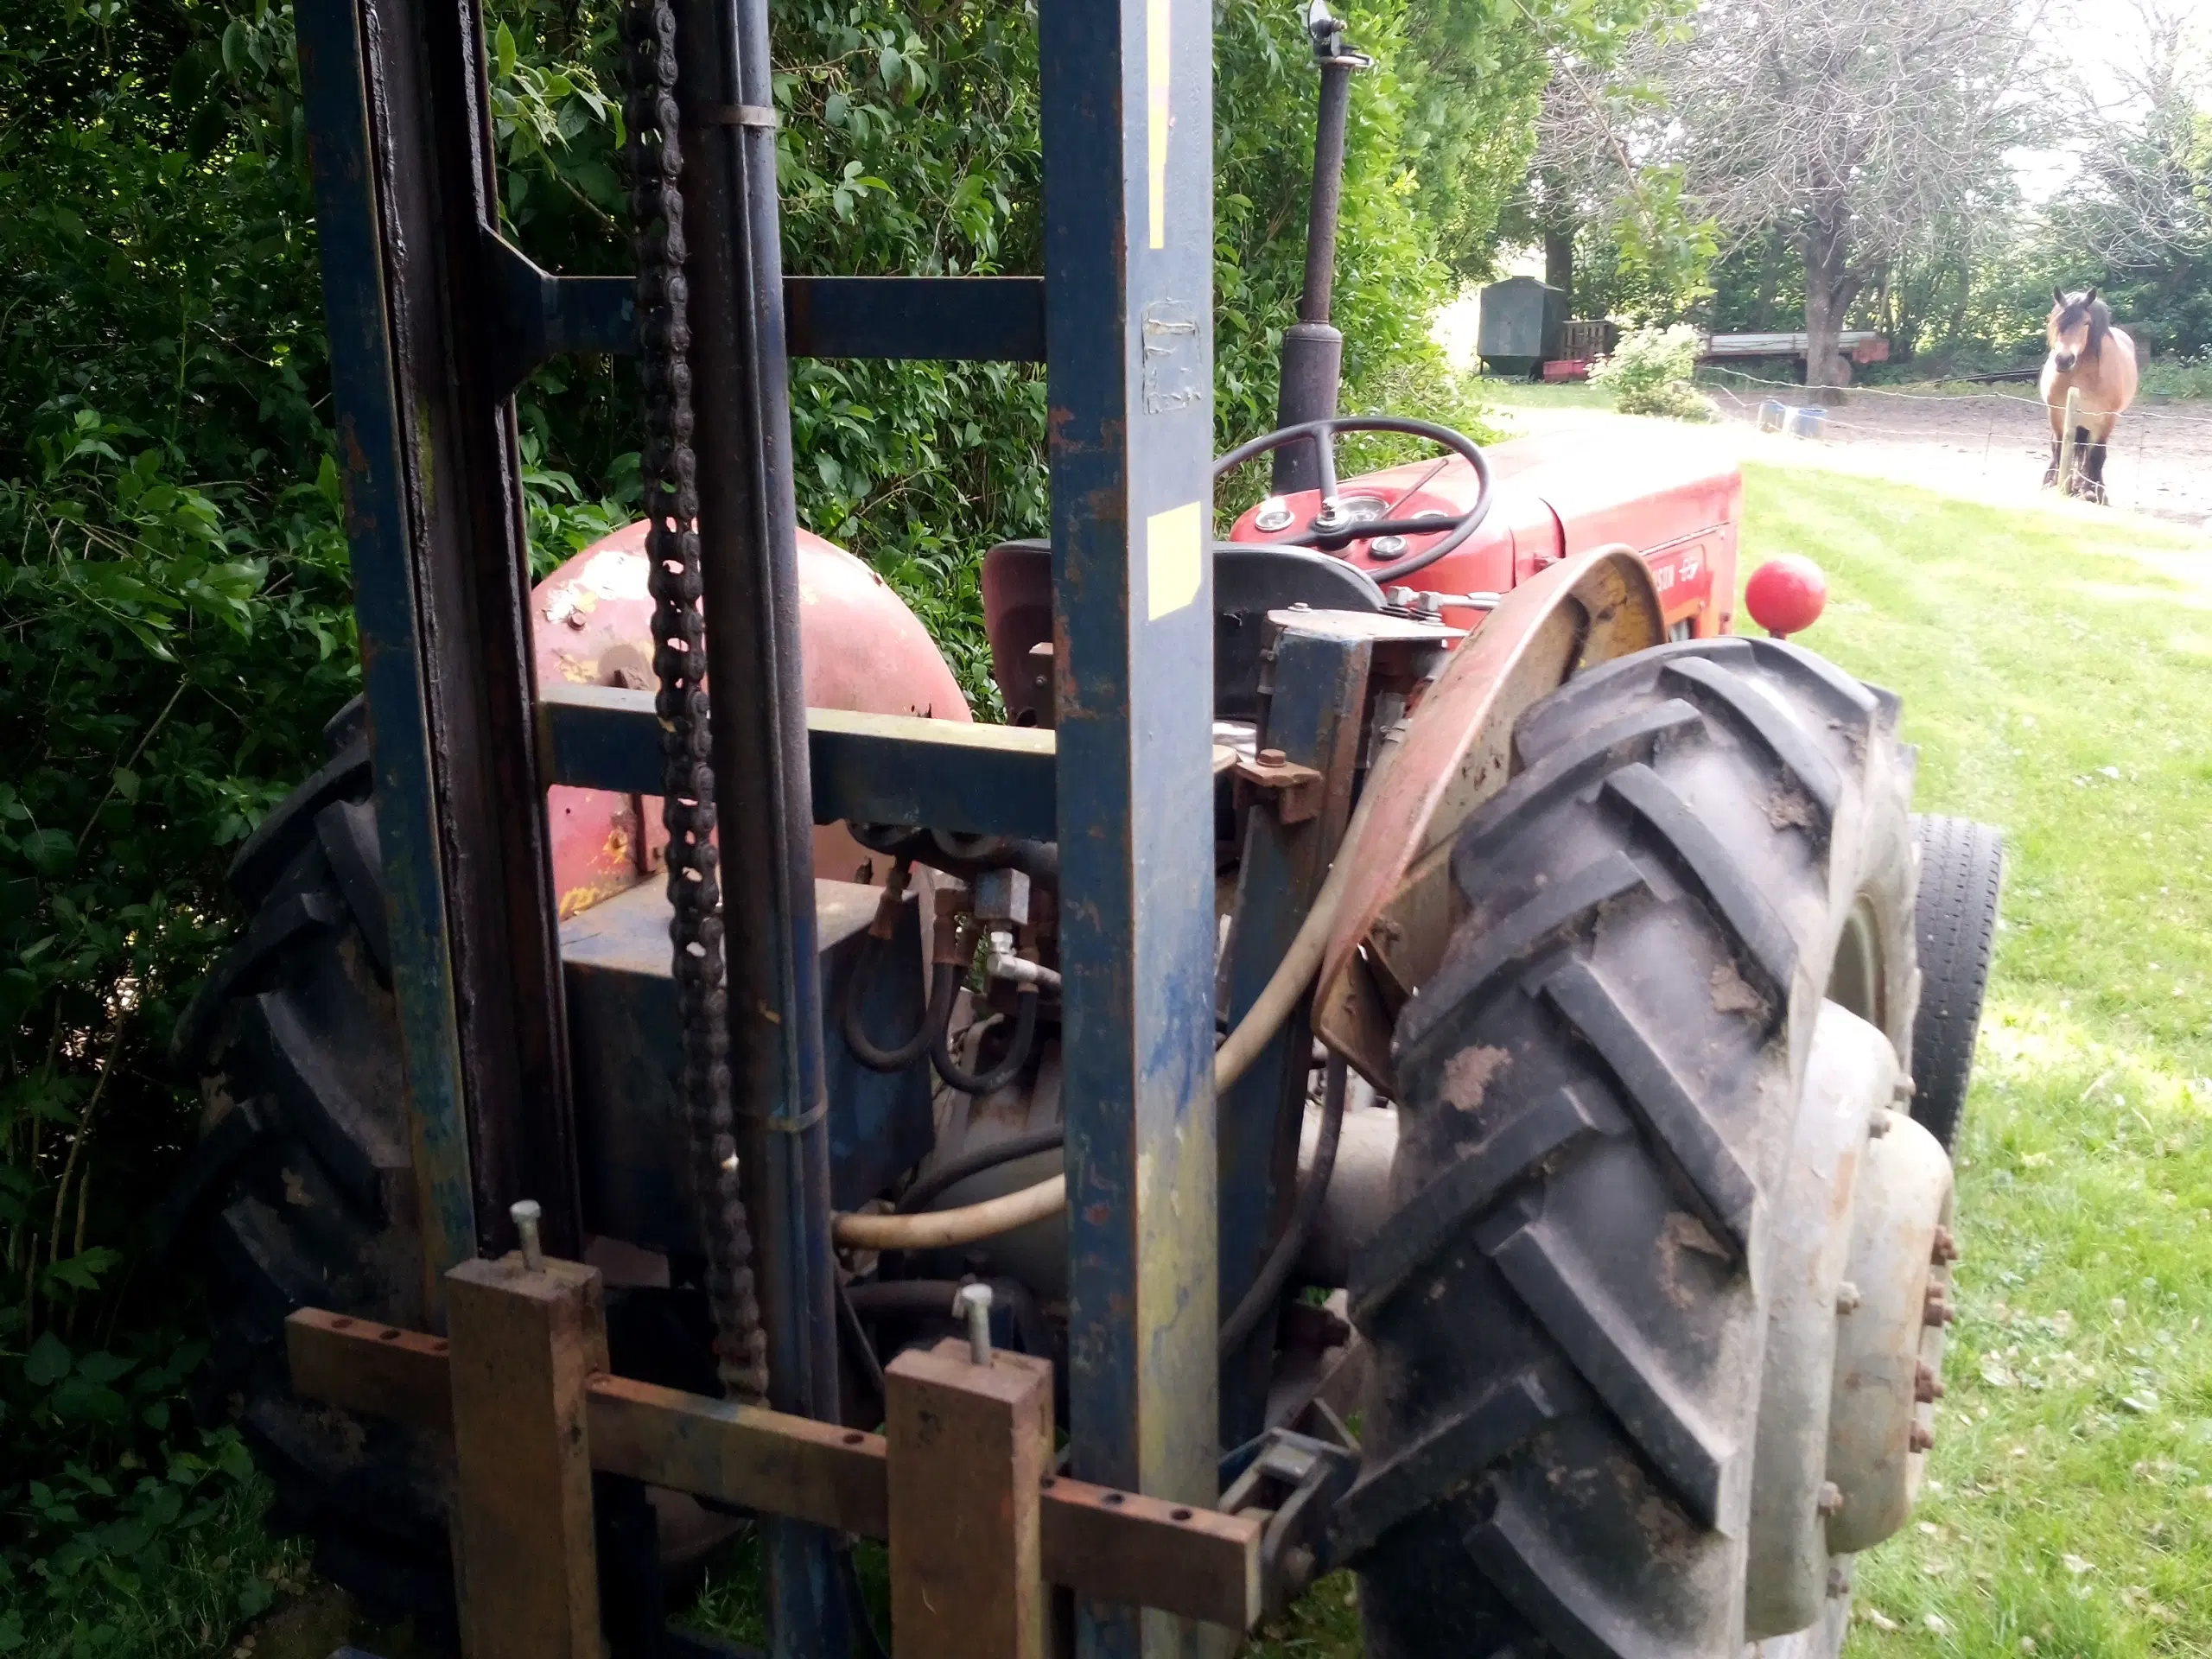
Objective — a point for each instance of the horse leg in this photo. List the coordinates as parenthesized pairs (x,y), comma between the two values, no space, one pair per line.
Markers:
(2092,468)
(2050,472)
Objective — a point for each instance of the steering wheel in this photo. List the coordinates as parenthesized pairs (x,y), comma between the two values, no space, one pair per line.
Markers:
(1332,534)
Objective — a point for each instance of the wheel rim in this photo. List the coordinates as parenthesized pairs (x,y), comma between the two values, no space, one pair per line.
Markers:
(1855,978)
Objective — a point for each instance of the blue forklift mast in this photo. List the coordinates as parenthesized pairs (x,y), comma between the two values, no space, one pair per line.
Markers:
(433,321)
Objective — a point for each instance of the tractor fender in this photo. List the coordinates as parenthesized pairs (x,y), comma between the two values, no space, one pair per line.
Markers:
(591,624)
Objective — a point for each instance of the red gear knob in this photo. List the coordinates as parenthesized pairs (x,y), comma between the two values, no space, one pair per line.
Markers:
(1786,595)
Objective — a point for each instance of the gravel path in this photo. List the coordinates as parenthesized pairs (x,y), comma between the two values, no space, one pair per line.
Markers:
(1990,446)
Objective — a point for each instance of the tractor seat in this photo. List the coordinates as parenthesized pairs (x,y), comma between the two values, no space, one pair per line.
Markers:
(1250,580)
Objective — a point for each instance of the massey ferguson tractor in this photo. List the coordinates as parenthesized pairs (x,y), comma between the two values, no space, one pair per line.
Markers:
(1416,1048)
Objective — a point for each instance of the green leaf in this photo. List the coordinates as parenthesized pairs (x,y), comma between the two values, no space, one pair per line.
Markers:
(50,852)
(47,1363)
(235,53)
(503,52)
(126,783)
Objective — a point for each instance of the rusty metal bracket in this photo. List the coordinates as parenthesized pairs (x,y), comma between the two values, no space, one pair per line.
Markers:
(1109,1545)
(1296,790)
(1294,1483)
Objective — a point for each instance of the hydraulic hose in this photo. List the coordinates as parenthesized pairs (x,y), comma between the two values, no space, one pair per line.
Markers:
(851,1021)
(1017,1054)
(1291,981)
(954,1170)
(1237,1329)
(852,1024)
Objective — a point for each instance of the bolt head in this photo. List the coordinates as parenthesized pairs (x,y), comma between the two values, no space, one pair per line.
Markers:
(1848,1298)
(1878,1125)
(1937,1311)
(1921,1438)
(1905,1089)
(1927,1387)
(1946,1249)
(1839,1581)
(1274,758)
(1831,1498)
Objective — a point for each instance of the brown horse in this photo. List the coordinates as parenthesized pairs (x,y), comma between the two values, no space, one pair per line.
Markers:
(2089,355)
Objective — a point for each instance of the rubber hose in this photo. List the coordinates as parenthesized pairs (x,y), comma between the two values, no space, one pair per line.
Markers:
(1237,1330)
(939,1229)
(1017,1054)
(1294,974)
(852,1025)
(1291,980)
(954,1170)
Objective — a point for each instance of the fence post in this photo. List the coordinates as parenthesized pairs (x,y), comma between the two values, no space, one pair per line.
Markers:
(2067,456)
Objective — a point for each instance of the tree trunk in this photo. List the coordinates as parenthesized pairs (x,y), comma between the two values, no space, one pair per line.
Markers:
(1827,295)
(1770,280)
(1558,263)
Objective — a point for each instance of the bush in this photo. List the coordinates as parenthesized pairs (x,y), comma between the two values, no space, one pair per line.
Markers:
(1648,373)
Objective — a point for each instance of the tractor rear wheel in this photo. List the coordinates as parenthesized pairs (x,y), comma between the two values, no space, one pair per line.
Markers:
(301,1193)
(1599,1090)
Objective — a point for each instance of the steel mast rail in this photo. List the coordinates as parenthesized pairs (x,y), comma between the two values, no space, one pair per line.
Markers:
(433,320)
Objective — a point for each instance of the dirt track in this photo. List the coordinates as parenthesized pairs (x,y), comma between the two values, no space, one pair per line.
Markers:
(1995,444)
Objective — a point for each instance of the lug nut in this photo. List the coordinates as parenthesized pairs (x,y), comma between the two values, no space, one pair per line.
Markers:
(1920,1439)
(1927,1387)
(1831,1498)
(1878,1125)
(1937,1311)
(1838,1582)
(1946,1248)
(1847,1297)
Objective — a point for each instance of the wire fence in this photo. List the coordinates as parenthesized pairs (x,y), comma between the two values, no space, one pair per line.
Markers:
(2157,461)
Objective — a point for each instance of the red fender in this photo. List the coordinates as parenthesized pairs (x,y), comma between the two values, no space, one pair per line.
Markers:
(591,624)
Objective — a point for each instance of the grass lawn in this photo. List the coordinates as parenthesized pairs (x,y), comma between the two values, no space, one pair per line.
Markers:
(2063,689)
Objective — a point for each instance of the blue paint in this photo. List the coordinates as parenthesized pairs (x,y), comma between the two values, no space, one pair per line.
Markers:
(1129,392)
(349,229)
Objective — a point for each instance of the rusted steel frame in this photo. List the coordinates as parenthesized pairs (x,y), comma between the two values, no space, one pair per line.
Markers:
(970,1445)
(1313,692)
(967,777)
(1128,173)
(525,1346)
(1109,1544)
(400,136)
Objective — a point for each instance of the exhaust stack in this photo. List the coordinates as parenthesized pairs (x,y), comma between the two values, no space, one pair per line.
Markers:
(1313,349)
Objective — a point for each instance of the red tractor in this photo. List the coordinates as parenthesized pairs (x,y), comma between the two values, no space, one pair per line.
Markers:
(1590,1019)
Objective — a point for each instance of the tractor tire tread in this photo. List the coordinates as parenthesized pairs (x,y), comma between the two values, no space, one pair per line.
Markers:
(1961,880)
(1595,1087)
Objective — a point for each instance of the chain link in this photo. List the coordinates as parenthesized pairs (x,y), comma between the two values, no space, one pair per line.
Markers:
(668,469)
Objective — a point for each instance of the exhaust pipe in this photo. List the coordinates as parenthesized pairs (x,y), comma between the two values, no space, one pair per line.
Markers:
(1313,349)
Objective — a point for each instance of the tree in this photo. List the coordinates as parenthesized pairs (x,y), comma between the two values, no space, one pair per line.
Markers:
(2138,218)
(1857,125)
